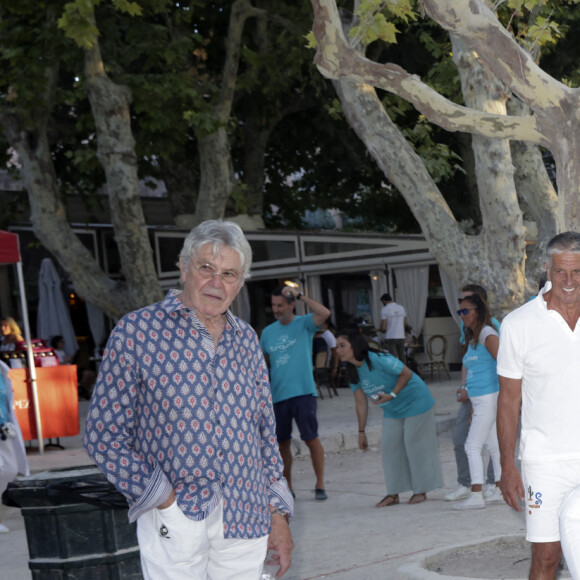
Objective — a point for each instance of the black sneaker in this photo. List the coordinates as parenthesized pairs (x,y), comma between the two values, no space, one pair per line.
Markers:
(320,494)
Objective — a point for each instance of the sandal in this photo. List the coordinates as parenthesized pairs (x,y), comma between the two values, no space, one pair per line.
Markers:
(388,500)
(418,498)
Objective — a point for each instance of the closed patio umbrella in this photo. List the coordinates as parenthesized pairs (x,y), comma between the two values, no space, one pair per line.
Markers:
(53,313)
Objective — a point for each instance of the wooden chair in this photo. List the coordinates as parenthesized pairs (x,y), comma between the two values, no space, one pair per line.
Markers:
(341,380)
(322,374)
(436,350)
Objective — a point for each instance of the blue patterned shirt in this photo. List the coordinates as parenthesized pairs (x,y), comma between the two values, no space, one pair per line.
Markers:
(170,410)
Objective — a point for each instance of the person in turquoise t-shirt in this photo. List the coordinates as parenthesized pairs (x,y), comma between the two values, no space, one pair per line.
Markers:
(461,430)
(482,387)
(409,435)
(287,345)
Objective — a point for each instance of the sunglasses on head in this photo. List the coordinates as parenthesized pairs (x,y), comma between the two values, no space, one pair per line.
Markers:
(464,311)
(460,300)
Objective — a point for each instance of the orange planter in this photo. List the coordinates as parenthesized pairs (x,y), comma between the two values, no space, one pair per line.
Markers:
(57,398)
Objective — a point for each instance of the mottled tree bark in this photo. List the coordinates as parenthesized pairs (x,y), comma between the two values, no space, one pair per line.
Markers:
(501,215)
(537,197)
(110,104)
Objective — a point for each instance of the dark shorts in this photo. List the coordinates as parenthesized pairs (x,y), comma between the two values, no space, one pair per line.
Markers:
(303,410)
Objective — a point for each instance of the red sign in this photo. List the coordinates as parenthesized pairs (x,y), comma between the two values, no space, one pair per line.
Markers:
(9,248)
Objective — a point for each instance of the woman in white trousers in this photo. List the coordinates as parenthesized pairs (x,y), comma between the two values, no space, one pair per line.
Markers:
(482,387)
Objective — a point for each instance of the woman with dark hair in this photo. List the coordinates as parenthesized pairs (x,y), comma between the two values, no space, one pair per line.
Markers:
(482,387)
(409,436)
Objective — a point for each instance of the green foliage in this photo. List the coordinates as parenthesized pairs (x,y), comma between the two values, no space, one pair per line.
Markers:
(310,40)
(440,160)
(78,23)
(535,25)
(238,202)
(376,17)
(328,170)
(30,49)
(130,8)
(78,20)
(521,4)
(544,31)
(334,109)
(561,59)
(378,29)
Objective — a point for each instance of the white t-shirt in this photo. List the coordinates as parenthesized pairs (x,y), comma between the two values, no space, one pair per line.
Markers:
(394,314)
(538,347)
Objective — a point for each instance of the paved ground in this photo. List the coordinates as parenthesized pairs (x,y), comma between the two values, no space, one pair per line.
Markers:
(345,537)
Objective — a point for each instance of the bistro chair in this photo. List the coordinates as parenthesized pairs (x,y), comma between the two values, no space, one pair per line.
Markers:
(322,374)
(436,350)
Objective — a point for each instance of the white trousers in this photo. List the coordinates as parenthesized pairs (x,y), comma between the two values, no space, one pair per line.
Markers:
(174,547)
(569,519)
(483,431)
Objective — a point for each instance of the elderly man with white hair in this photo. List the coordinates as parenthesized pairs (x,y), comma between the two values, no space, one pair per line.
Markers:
(181,422)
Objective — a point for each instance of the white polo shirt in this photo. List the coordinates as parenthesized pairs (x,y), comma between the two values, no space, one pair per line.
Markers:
(537,346)
(394,314)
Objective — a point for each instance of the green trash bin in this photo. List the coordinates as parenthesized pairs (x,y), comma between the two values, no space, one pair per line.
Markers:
(76,526)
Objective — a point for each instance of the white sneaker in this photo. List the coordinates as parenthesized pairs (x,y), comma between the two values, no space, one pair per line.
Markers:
(473,502)
(460,492)
(496,496)
(3,529)
(488,489)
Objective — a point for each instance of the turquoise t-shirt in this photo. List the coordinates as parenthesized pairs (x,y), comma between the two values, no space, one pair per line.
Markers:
(494,322)
(4,402)
(414,399)
(289,348)
(481,378)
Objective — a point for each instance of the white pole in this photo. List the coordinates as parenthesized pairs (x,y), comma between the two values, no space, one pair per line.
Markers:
(30,358)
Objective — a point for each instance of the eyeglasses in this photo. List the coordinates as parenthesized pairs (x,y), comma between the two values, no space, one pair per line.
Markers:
(207,272)
(464,311)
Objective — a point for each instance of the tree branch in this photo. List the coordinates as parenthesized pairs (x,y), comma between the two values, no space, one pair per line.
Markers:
(336,59)
(473,21)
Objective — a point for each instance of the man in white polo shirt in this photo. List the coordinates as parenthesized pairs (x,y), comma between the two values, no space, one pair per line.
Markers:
(538,365)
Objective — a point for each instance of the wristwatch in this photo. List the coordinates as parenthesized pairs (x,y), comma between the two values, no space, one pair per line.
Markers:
(299,295)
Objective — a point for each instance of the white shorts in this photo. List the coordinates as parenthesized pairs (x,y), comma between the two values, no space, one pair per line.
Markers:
(545,485)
